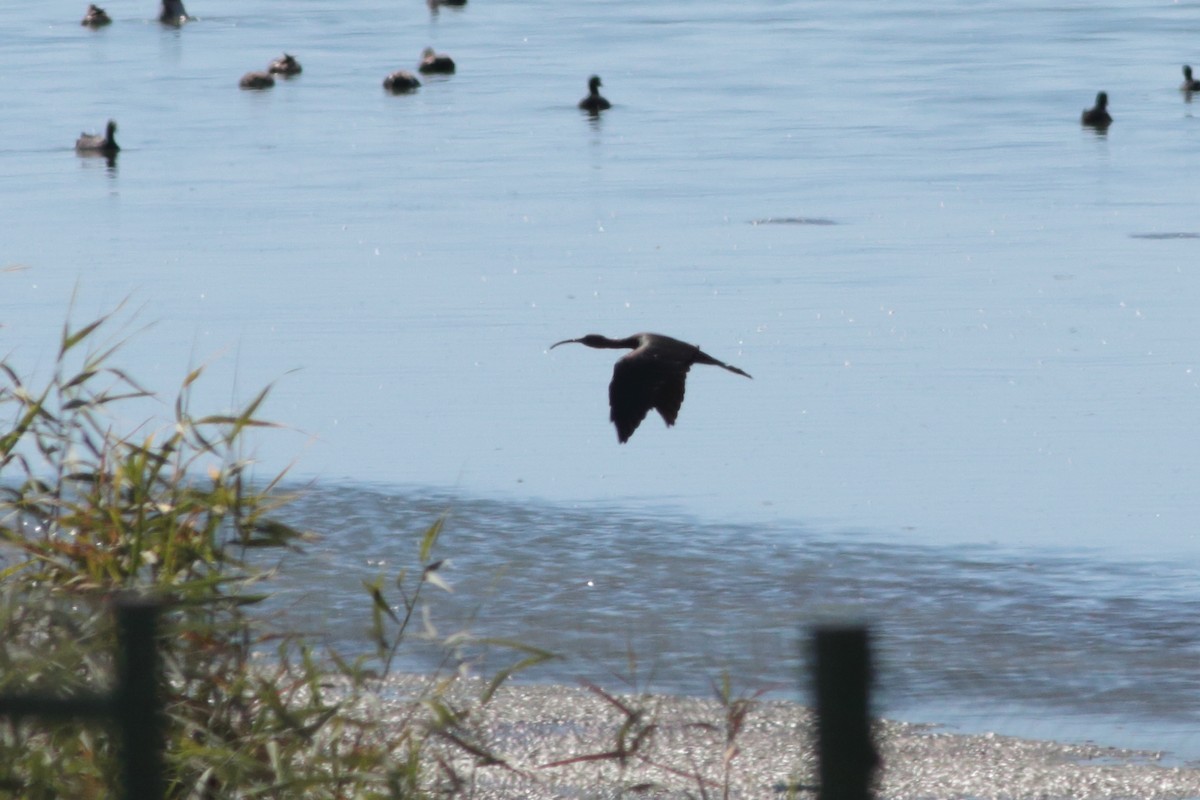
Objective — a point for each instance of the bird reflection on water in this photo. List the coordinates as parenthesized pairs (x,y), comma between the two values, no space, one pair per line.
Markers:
(652,376)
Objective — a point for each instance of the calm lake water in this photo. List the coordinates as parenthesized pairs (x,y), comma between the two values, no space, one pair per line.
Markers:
(970,320)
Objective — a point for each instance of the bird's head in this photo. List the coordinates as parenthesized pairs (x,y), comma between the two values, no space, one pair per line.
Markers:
(1102,100)
(591,340)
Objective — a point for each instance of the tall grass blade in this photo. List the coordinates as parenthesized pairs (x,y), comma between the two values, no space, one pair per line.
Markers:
(431,536)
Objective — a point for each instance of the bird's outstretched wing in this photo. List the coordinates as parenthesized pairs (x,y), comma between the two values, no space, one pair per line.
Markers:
(630,396)
(668,396)
(640,384)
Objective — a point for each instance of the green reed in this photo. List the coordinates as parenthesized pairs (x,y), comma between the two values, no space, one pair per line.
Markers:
(92,506)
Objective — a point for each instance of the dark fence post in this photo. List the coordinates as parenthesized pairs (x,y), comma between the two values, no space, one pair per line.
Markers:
(134,707)
(137,705)
(845,750)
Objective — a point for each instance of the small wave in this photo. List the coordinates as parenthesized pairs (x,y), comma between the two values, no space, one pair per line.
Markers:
(792,221)
(1173,235)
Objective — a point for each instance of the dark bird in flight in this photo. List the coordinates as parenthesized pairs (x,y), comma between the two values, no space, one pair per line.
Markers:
(1097,117)
(652,376)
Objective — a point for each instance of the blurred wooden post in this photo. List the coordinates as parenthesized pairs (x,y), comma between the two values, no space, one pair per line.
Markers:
(137,705)
(845,750)
(134,707)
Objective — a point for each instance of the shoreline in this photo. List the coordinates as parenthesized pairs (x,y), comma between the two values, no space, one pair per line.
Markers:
(558,741)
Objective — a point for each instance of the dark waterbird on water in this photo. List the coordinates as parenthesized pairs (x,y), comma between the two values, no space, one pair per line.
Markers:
(173,13)
(594,103)
(435,63)
(652,376)
(401,81)
(95,17)
(1189,84)
(257,80)
(95,144)
(287,65)
(1097,116)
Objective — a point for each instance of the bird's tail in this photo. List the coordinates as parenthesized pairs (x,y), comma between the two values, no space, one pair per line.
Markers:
(705,358)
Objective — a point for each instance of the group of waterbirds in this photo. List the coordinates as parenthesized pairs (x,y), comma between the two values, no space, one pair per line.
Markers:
(401,81)
(1098,117)
(286,65)
(171,13)
(432,63)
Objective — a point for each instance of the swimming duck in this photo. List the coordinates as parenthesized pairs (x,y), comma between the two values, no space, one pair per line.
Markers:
(173,13)
(1098,117)
(95,17)
(401,81)
(594,103)
(1190,84)
(287,66)
(95,143)
(435,63)
(257,80)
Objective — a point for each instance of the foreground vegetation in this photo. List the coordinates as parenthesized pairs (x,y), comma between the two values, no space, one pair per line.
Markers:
(172,511)
(88,513)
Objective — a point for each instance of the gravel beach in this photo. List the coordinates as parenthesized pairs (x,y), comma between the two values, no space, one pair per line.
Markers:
(567,742)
